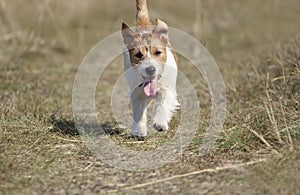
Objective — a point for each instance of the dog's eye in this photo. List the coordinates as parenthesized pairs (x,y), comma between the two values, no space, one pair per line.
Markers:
(157,53)
(139,55)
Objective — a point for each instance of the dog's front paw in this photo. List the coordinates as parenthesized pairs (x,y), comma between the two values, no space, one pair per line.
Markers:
(139,129)
(160,127)
(137,133)
(137,137)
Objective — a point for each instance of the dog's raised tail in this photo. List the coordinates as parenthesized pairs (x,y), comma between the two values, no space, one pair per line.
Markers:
(142,14)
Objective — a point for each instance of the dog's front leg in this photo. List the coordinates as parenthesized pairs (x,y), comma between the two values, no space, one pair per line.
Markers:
(139,107)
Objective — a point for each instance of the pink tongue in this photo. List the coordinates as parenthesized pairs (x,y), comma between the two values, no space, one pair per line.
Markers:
(150,87)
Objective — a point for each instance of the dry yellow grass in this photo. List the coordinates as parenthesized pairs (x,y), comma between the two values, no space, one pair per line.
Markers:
(256,45)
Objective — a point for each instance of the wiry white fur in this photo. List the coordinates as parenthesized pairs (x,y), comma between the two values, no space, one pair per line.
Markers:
(165,101)
(150,62)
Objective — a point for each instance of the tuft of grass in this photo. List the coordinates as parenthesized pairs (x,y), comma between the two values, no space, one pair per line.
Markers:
(270,114)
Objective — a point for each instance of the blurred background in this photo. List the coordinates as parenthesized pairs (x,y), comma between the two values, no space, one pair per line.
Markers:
(226,27)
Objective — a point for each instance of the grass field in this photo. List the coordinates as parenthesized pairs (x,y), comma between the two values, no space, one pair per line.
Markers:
(256,45)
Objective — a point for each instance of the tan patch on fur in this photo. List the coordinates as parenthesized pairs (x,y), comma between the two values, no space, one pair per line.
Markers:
(151,45)
(146,47)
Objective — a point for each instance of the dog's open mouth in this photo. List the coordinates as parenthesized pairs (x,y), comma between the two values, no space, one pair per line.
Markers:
(150,85)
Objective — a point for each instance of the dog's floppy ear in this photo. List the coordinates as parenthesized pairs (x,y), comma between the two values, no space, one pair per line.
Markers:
(161,30)
(128,34)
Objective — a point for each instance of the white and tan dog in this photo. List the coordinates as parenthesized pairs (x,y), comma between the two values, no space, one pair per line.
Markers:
(150,71)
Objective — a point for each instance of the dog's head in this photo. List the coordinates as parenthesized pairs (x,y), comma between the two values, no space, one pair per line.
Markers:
(148,53)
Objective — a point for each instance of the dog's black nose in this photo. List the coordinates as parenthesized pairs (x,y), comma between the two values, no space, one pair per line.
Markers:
(150,70)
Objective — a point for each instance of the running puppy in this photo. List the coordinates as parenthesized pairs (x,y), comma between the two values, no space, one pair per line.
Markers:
(150,70)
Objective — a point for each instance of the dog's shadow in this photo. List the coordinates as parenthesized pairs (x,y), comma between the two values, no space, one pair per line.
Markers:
(66,126)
